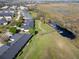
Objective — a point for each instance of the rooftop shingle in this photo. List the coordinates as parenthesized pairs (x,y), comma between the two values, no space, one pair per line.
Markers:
(2,21)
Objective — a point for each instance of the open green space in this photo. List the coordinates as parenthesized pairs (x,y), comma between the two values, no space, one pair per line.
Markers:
(48,44)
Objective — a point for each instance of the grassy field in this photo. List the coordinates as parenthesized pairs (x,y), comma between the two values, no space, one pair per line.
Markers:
(60,10)
(66,14)
(48,44)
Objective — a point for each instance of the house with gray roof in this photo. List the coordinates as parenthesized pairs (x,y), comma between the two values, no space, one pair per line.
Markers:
(3,21)
(16,37)
(26,14)
(27,25)
(7,14)
(28,21)
(11,50)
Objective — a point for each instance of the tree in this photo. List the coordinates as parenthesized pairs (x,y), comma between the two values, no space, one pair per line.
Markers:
(32,31)
(13,30)
(18,24)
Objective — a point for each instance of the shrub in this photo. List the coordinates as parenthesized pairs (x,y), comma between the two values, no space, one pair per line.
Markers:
(13,30)
(32,31)
(18,24)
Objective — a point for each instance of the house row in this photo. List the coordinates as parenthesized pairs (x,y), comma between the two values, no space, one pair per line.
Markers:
(13,7)
(5,7)
(3,21)
(7,15)
(18,40)
(4,18)
(10,50)
(27,25)
(28,21)
(26,15)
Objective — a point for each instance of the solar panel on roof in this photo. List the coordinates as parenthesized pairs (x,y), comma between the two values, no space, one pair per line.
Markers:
(28,24)
(13,50)
(6,14)
(16,36)
(3,49)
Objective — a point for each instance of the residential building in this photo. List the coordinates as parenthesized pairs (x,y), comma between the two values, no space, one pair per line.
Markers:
(10,50)
(3,21)
(7,15)
(27,25)
(16,37)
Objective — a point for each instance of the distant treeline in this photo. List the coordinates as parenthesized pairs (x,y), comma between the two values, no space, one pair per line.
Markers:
(59,2)
(26,2)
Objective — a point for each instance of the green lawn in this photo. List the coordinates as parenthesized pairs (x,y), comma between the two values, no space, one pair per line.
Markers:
(48,44)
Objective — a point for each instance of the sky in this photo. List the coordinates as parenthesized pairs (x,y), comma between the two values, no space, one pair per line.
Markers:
(50,0)
(45,0)
(38,0)
(56,0)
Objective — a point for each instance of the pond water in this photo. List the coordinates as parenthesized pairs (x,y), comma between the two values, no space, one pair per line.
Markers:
(67,33)
(63,31)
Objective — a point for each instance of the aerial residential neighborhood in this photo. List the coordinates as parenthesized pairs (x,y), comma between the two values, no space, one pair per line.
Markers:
(39,29)
(15,22)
